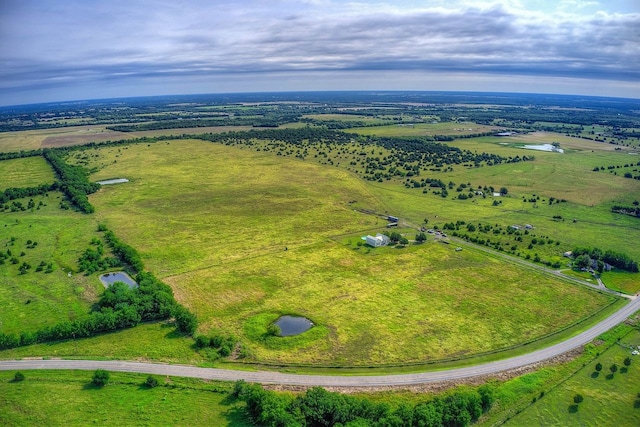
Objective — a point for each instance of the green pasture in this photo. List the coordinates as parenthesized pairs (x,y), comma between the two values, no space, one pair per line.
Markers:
(376,306)
(25,172)
(424,129)
(622,281)
(38,298)
(123,401)
(196,204)
(609,399)
(344,118)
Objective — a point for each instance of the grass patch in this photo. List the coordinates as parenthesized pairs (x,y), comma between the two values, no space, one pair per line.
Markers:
(622,281)
(25,172)
(425,129)
(123,401)
(604,399)
(39,298)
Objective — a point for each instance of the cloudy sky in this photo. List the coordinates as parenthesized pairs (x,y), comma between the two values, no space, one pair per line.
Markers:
(54,50)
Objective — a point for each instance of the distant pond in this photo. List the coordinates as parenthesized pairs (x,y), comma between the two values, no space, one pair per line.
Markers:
(293,325)
(109,279)
(113,181)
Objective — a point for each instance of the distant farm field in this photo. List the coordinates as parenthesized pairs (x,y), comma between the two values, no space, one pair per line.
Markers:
(243,236)
(425,129)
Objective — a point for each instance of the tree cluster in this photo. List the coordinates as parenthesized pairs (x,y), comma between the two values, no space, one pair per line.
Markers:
(92,260)
(127,254)
(119,307)
(73,181)
(584,257)
(318,407)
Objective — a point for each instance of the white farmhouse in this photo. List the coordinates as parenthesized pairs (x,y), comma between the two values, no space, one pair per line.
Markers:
(377,240)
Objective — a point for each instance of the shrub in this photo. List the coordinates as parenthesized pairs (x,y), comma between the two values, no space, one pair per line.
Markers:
(598,366)
(19,376)
(100,378)
(578,398)
(151,381)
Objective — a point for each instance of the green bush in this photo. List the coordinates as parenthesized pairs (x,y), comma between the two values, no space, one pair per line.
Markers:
(151,381)
(19,376)
(100,378)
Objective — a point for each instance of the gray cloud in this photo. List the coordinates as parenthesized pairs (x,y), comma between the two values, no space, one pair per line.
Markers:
(50,43)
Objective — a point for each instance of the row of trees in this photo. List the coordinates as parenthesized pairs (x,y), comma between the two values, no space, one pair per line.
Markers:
(318,407)
(127,254)
(119,307)
(74,181)
(20,193)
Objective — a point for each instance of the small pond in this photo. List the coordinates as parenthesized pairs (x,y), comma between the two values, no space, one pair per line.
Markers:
(544,147)
(108,279)
(293,325)
(113,181)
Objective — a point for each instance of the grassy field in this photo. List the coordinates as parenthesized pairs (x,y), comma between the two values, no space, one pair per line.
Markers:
(250,236)
(40,298)
(25,172)
(609,399)
(123,401)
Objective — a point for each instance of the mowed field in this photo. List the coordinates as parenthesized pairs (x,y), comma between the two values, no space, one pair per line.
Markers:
(25,172)
(244,236)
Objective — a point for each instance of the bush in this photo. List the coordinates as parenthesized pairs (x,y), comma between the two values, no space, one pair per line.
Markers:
(578,398)
(100,378)
(598,366)
(627,361)
(151,381)
(19,376)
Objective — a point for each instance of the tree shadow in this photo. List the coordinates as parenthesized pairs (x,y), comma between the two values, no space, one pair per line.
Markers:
(595,374)
(573,409)
(91,386)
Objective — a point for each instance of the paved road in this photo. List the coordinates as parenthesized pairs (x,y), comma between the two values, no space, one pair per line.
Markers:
(266,377)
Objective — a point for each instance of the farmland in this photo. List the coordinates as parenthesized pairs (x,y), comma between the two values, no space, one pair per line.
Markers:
(247,225)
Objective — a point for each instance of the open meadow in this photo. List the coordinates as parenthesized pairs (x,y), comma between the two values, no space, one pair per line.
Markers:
(243,237)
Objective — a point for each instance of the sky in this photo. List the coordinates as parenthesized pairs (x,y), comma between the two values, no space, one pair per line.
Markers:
(53,50)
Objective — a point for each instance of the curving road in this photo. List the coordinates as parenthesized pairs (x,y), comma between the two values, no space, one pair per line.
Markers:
(266,377)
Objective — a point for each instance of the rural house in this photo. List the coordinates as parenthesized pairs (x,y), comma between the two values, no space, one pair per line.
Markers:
(378,240)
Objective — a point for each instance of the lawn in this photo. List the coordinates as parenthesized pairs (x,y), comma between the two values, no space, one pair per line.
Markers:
(25,172)
(609,399)
(123,401)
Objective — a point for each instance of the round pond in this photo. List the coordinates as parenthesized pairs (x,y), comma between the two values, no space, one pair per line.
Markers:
(293,325)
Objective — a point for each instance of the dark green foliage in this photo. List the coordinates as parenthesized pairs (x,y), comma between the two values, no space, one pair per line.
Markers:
(613,368)
(73,181)
(598,367)
(616,259)
(318,408)
(151,382)
(186,322)
(627,361)
(19,376)
(20,193)
(578,398)
(100,378)
(421,237)
(126,253)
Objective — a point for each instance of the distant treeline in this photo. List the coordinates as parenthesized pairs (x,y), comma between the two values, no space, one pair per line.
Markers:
(268,120)
(615,259)
(20,154)
(318,407)
(74,181)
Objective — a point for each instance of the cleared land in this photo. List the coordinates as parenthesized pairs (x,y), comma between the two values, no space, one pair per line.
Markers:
(425,129)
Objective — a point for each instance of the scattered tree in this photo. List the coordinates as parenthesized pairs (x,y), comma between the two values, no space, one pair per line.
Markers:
(100,378)
(578,398)
(598,366)
(19,376)
(151,381)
